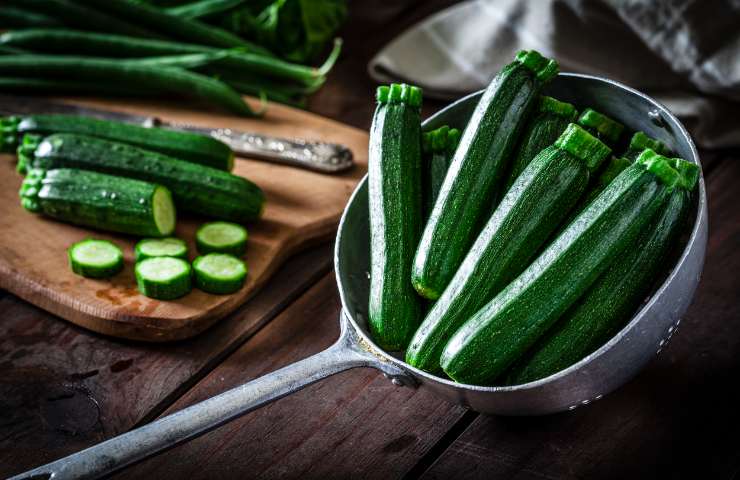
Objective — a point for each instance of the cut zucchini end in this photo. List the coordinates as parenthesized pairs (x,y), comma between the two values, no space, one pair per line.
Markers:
(399,93)
(164,211)
(581,144)
(640,141)
(558,108)
(95,258)
(30,189)
(607,128)
(8,133)
(219,273)
(544,68)
(230,162)
(672,172)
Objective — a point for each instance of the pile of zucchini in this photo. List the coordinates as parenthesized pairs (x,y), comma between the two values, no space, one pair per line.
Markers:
(512,252)
(135,48)
(128,179)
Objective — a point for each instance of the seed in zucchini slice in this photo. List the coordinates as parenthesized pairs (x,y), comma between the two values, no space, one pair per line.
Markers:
(219,273)
(221,237)
(95,258)
(161,247)
(163,278)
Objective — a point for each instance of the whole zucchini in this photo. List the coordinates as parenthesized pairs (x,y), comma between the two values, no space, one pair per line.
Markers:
(476,169)
(394,183)
(100,201)
(605,128)
(553,116)
(183,145)
(540,198)
(195,188)
(610,302)
(507,326)
(437,147)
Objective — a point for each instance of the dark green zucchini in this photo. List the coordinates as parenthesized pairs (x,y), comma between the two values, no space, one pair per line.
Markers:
(507,326)
(437,148)
(539,199)
(394,184)
(605,128)
(475,172)
(610,302)
(195,148)
(639,142)
(541,131)
(100,201)
(195,188)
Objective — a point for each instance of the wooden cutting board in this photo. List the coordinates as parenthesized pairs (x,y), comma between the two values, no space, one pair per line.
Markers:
(302,208)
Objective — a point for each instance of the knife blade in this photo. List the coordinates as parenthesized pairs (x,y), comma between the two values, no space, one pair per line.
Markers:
(317,156)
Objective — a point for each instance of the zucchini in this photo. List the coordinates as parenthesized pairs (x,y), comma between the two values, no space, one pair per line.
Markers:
(221,237)
(538,200)
(192,147)
(195,188)
(161,247)
(506,327)
(394,183)
(95,258)
(163,278)
(639,142)
(100,201)
(553,116)
(610,302)
(605,128)
(476,169)
(437,148)
(219,273)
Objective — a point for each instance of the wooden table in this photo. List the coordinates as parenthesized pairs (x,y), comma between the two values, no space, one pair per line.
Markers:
(63,388)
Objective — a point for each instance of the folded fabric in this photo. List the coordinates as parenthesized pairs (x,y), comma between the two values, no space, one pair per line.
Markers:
(686,53)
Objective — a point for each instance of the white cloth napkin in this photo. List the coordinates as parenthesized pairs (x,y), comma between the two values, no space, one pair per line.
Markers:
(685,53)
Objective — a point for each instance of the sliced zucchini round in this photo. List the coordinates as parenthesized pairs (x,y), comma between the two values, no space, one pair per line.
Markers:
(164,211)
(221,237)
(163,278)
(95,258)
(219,273)
(161,247)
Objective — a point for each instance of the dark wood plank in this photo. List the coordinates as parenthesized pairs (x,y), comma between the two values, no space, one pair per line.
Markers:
(355,424)
(63,388)
(678,419)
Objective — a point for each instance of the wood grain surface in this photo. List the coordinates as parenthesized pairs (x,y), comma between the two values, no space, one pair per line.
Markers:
(64,388)
(302,208)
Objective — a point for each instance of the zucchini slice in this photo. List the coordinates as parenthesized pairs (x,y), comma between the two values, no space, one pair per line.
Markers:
(221,237)
(95,258)
(163,278)
(500,332)
(161,247)
(219,273)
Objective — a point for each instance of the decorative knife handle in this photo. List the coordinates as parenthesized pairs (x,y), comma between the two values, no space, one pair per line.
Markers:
(320,156)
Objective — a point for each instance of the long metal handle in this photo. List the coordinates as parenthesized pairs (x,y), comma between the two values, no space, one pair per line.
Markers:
(128,448)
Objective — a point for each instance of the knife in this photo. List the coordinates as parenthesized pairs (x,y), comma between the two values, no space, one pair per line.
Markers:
(317,156)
